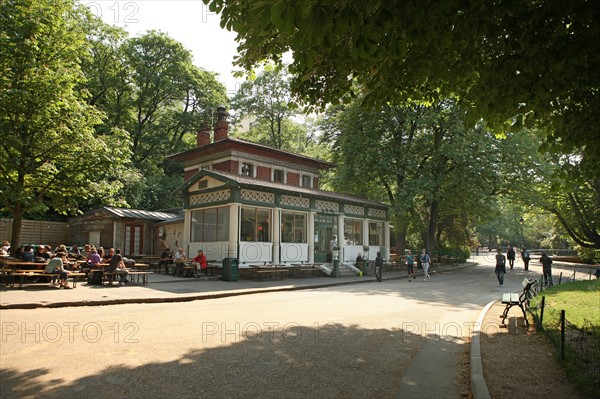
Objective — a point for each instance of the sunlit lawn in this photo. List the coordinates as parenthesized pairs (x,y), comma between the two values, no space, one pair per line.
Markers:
(580,300)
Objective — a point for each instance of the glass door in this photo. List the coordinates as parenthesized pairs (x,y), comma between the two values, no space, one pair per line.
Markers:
(325,229)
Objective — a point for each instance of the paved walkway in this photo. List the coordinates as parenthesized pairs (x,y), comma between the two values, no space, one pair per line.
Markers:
(166,288)
(415,382)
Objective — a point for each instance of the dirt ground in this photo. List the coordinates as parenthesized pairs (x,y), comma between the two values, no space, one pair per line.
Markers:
(518,363)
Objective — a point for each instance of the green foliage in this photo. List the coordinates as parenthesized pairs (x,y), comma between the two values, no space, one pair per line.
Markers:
(588,255)
(511,63)
(50,156)
(265,100)
(437,175)
(149,88)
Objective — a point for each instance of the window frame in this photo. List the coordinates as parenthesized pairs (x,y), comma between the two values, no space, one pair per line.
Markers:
(220,225)
(253,229)
(293,227)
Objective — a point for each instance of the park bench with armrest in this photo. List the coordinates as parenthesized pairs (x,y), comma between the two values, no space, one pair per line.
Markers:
(519,299)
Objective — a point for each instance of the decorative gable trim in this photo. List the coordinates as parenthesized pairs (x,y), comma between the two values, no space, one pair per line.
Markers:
(205,198)
(295,201)
(377,213)
(327,206)
(257,196)
(354,209)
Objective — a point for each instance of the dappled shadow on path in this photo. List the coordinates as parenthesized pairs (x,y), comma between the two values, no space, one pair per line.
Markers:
(332,360)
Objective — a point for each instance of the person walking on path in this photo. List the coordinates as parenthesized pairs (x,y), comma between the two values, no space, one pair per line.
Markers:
(500,267)
(425,262)
(547,269)
(525,256)
(510,255)
(378,266)
(410,265)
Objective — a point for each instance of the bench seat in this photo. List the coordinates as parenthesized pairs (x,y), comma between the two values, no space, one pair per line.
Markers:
(41,273)
(521,300)
(273,272)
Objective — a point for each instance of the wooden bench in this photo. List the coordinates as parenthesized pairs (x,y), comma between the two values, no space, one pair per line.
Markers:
(273,272)
(41,273)
(142,275)
(521,300)
(188,271)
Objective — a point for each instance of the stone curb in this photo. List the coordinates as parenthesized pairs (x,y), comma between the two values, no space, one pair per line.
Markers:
(478,384)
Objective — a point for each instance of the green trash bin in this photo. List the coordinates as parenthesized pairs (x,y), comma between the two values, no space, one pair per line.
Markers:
(230,269)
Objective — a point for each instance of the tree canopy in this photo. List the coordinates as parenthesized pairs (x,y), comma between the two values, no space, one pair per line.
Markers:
(87,114)
(50,155)
(439,177)
(266,100)
(510,63)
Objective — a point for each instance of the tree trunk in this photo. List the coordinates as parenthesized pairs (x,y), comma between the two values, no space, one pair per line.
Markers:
(433,217)
(400,242)
(15,233)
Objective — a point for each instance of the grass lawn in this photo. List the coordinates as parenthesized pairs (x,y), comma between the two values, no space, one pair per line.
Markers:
(580,301)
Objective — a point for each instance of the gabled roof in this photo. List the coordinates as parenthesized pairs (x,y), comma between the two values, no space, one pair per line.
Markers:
(235,180)
(136,213)
(194,153)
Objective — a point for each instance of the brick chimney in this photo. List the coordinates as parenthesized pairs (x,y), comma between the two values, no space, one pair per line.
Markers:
(203,135)
(222,124)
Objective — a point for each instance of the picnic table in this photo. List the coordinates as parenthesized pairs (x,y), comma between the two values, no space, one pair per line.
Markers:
(272,269)
(306,269)
(139,271)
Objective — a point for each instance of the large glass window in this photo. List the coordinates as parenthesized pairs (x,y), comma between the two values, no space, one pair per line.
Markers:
(210,225)
(376,233)
(223,224)
(353,231)
(255,224)
(293,227)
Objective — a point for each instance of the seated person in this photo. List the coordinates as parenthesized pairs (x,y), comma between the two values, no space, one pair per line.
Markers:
(201,263)
(87,249)
(74,252)
(166,258)
(41,256)
(28,255)
(117,266)
(94,259)
(108,256)
(359,261)
(55,266)
(49,251)
(180,259)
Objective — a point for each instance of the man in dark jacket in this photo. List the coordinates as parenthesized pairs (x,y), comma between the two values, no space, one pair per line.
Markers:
(547,269)
(510,255)
(500,267)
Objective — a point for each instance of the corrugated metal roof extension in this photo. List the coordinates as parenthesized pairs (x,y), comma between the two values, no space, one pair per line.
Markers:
(140,214)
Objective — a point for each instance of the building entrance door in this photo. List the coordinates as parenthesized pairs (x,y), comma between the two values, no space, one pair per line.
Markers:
(325,229)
